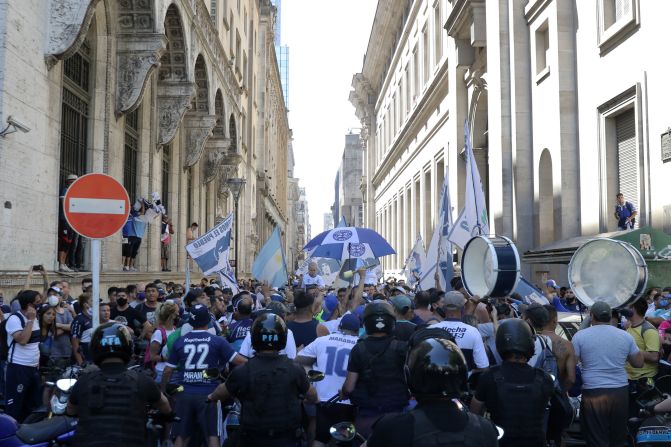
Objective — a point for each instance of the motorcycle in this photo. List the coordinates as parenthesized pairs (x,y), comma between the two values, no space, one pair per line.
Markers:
(650,429)
(57,431)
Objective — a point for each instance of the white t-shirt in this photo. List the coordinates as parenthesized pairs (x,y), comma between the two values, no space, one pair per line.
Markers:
(28,354)
(249,352)
(309,280)
(468,339)
(332,354)
(158,338)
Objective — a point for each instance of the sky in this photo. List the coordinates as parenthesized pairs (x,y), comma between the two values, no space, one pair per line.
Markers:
(327,41)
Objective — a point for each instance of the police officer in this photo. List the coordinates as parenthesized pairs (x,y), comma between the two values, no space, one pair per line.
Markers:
(437,374)
(270,388)
(515,394)
(375,382)
(111,401)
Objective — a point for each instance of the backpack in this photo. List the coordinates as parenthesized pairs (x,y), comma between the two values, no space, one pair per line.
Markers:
(147,353)
(547,361)
(4,348)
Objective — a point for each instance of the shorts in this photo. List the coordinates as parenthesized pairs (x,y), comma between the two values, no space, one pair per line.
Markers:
(329,414)
(195,413)
(165,251)
(130,249)
(64,236)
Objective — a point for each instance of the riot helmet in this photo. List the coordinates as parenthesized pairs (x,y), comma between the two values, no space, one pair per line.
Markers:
(436,367)
(111,340)
(269,333)
(514,336)
(379,316)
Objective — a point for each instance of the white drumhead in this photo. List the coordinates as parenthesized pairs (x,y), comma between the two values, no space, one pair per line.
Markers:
(479,267)
(607,270)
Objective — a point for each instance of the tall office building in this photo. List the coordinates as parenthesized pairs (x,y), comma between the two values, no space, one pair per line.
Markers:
(282,52)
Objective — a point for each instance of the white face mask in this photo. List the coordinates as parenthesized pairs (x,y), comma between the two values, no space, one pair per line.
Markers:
(53,301)
(90,311)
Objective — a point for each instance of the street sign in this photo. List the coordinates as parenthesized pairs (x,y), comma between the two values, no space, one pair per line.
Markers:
(96,206)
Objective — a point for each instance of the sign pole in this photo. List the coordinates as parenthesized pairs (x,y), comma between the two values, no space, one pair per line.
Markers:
(95,273)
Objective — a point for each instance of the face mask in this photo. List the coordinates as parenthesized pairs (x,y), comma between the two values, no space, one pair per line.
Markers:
(121,301)
(53,301)
(90,312)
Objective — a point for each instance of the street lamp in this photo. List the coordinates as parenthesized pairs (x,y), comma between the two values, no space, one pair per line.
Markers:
(235,185)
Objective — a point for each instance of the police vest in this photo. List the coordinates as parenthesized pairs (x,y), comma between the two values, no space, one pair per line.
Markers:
(273,401)
(427,435)
(381,385)
(110,410)
(521,407)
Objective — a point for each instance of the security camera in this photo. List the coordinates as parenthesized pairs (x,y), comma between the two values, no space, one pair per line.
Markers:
(18,124)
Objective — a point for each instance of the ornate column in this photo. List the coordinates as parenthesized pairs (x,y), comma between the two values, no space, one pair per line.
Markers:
(69,21)
(198,128)
(174,99)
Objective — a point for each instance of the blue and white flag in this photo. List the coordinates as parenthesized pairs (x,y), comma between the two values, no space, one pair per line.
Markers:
(327,268)
(342,223)
(415,264)
(228,280)
(439,253)
(211,250)
(270,265)
(473,219)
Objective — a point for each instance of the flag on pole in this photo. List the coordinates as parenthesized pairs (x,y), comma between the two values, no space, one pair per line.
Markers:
(439,253)
(472,220)
(270,265)
(342,223)
(211,250)
(415,264)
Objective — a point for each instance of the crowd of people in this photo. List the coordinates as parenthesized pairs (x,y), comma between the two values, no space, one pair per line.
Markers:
(395,360)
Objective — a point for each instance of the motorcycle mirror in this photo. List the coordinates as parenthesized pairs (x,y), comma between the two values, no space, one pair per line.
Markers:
(315,376)
(500,430)
(65,384)
(343,431)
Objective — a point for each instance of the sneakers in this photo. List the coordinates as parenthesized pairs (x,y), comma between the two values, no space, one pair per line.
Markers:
(133,269)
(125,269)
(64,268)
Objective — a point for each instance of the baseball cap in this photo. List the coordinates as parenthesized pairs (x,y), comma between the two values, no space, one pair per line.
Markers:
(55,289)
(199,316)
(401,303)
(72,177)
(350,322)
(330,304)
(601,310)
(454,300)
(551,283)
(277,297)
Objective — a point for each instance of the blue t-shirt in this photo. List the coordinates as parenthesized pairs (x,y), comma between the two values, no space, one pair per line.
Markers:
(140,226)
(194,353)
(238,332)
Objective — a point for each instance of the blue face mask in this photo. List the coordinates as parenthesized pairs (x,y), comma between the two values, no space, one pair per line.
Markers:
(663,303)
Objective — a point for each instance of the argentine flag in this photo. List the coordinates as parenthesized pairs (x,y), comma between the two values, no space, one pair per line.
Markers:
(269,264)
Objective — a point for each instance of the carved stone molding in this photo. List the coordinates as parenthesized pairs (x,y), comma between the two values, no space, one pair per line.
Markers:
(174,99)
(215,151)
(138,55)
(198,128)
(69,21)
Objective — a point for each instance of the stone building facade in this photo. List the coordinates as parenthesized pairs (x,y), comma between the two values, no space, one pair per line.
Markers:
(349,200)
(171,96)
(577,114)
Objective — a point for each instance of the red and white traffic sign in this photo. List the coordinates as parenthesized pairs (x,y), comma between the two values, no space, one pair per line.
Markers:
(96,206)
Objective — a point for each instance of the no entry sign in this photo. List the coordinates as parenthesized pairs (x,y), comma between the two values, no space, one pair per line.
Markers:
(96,206)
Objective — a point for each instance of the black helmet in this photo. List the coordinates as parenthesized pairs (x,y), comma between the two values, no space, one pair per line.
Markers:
(111,340)
(269,332)
(514,336)
(379,316)
(436,367)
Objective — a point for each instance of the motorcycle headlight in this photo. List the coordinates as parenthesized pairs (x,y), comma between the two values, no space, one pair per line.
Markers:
(59,405)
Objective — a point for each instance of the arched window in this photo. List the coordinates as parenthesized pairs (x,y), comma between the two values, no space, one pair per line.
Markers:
(233,134)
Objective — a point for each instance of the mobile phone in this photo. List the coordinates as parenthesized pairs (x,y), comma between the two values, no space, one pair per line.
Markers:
(38,268)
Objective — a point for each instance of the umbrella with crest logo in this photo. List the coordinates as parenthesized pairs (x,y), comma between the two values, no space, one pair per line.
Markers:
(349,242)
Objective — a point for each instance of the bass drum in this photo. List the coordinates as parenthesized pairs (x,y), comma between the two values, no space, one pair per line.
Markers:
(607,270)
(490,266)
